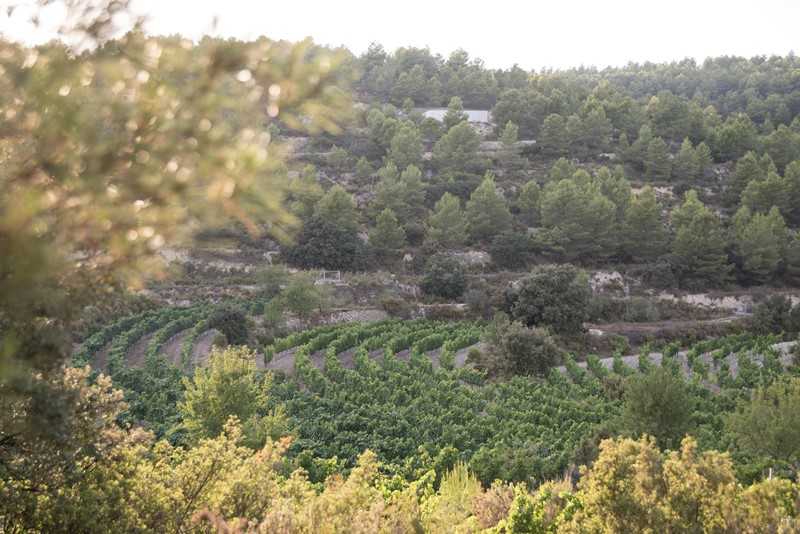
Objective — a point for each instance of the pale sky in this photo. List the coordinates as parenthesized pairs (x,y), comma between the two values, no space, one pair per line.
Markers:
(531,33)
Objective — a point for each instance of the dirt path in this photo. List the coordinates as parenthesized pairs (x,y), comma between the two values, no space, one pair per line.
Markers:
(283,361)
(202,347)
(623,328)
(632,361)
(173,347)
(137,352)
(99,359)
(347,358)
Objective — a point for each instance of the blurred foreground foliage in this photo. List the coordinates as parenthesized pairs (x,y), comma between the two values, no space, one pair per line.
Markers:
(114,145)
(118,144)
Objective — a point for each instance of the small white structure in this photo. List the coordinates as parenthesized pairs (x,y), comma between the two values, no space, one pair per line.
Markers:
(474,116)
(329,277)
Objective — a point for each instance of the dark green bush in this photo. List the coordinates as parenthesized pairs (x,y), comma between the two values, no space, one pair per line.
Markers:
(232,322)
(444,277)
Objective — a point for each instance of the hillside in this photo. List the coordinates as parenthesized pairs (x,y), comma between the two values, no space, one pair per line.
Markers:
(272,286)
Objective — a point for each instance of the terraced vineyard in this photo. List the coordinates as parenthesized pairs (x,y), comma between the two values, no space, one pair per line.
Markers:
(522,429)
(168,332)
(183,336)
(403,388)
(346,345)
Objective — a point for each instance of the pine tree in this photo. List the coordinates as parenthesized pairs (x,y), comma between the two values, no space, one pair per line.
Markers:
(305,192)
(704,159)
(735,137)
(597,130)
(623,147)
(528,203)
(457,150)
(337,208)
(454,114)
(576,136)
(510,135)
(363,170)
(792,177)
(691,208)
(389,192)
(339,159)
(762,195)
(509,158)
(389,172)
(644,235)
(657,164)
(562,169)
(638,150)
(408,106)
(748,169)
(388,235)
(615,187)
(487,212)
(553,137)
(783,146)
(580,218)
(792,260)
(406,146)
(402,193)
(447,226)
(761,242)
(413,193)
(699,245)
(685,166)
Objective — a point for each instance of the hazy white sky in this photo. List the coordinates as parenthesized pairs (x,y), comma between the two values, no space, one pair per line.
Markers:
(534,34)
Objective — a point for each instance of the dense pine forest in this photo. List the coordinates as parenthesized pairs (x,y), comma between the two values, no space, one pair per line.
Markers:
(272,286)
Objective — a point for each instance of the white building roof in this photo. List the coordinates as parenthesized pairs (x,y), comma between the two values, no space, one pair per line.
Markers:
(473,115)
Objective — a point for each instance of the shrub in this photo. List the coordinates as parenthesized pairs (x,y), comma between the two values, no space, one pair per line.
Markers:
(658,275)
(510,250)
(415,233)
(219,341)
(230,386)
(271,279)
(325,245)
(553,295)
(232,322)
(396,307)
(474,356)
(514,349)
(769,423)
(776,315)
(444,277)
(641,310)
(304,298)
(445,313)
(658,403)
(479,300)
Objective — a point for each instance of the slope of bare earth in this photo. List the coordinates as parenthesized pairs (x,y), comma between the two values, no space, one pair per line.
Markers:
(202,347)
(100,358)
(283,361)
(173,347)
(136,353)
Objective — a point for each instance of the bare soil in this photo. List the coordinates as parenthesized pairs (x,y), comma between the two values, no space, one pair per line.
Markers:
(136,353)
(202,347)
(172,348)
(100,358)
